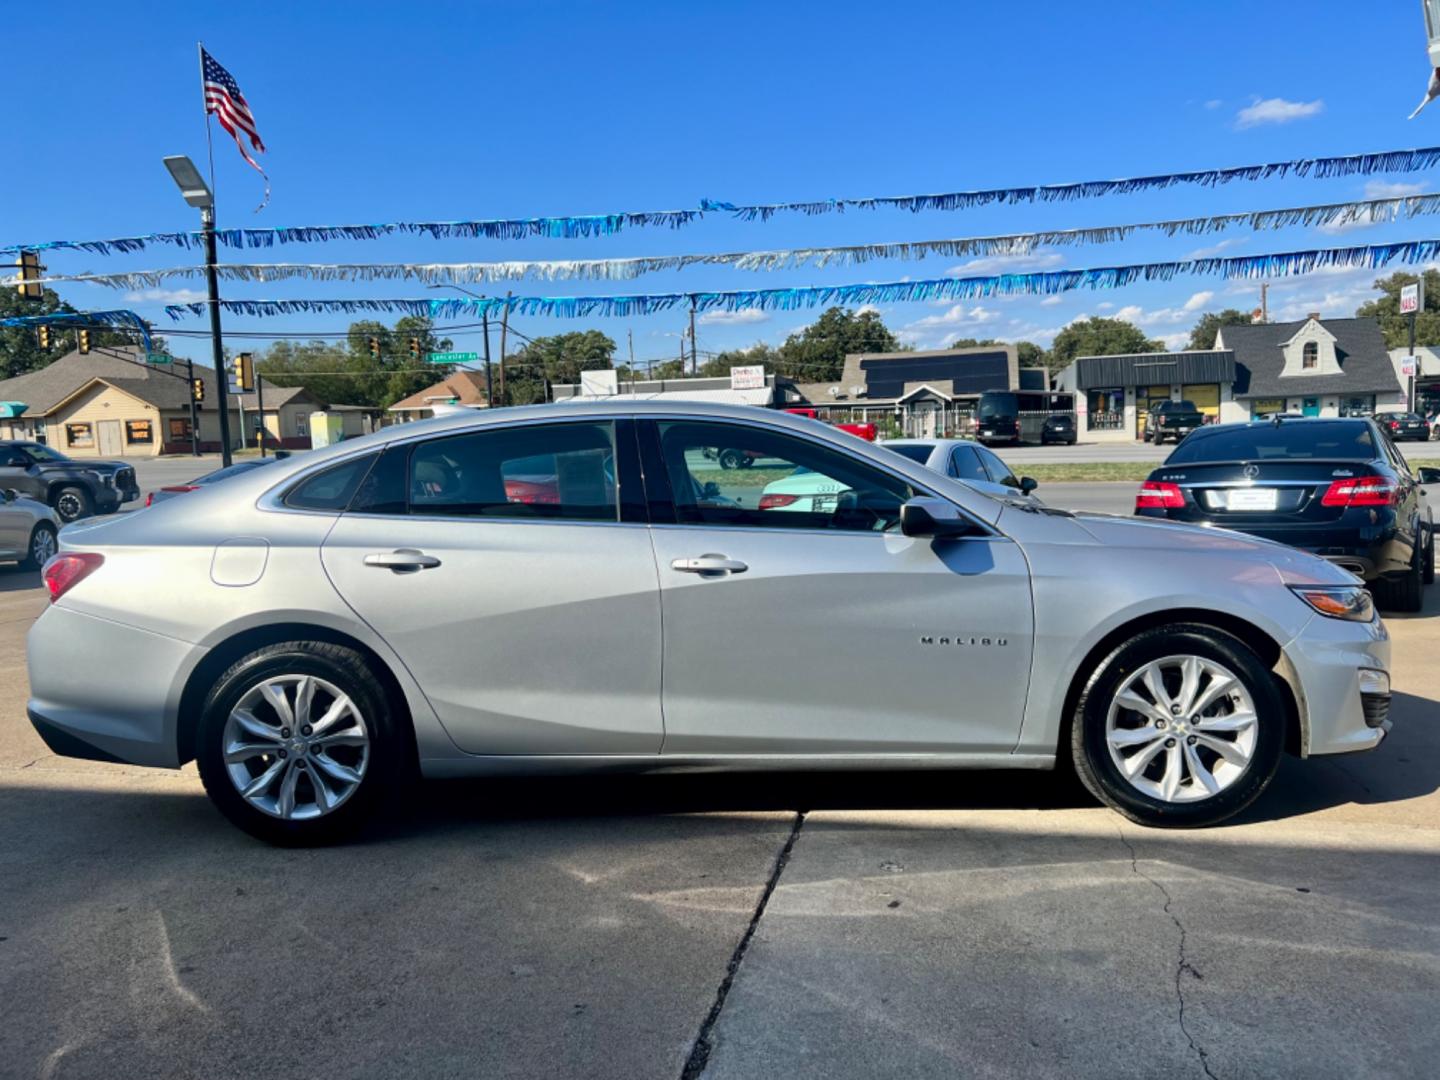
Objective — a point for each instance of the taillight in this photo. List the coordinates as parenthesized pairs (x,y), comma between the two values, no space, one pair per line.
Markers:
(150,498)
(773,502)
(1359,491)
(1156,495)
(64,572)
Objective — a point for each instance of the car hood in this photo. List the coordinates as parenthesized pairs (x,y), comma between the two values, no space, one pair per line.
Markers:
(85,465)
(1132,533)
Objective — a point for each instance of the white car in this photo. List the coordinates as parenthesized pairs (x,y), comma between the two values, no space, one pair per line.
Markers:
(963,459)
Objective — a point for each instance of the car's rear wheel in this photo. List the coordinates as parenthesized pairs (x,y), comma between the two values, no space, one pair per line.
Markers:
(43,544)
(1404,594)
(72,503)
(731,459)
(1427,574)
(298,743)
(1180,726)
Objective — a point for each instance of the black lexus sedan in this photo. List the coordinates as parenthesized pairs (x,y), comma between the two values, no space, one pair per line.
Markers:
(1336,487)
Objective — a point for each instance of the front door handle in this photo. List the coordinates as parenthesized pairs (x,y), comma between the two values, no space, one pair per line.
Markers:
(709,564)
(402,560)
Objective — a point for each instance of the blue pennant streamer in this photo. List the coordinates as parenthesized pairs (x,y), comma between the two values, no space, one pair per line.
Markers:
(1280,264)
(118,318)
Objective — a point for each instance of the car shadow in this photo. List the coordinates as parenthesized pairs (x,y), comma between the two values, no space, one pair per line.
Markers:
(14,579)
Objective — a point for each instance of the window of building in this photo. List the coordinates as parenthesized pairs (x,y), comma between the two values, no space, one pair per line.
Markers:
(302,424)
(792,483)
(179,429)
(139,431)
(79,435)
(1363,405)
(1310,356)
(1105,409)
(1263,407)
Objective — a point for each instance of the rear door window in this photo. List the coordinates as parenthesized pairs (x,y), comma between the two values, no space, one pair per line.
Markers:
(1296,440)
(965,465)
(998,470)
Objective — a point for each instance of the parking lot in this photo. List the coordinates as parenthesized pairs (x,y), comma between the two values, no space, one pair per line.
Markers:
(825,925)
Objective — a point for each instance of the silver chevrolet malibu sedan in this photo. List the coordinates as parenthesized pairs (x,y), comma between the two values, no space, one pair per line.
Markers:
(549,589)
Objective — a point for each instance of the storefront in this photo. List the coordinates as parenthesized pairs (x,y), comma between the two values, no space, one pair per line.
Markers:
(1114,394)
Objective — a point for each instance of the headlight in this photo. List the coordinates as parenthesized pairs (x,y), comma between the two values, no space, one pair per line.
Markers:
(1350,602)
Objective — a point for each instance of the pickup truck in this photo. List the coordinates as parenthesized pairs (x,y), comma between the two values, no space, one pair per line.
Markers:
(1172,419)
(73,488)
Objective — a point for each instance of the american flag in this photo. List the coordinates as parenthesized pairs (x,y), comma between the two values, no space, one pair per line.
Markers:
(224,99)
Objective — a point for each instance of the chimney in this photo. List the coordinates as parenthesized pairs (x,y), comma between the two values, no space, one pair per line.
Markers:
(1314,315)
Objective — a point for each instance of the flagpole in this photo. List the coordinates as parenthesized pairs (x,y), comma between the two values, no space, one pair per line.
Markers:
(205,106)
(217,351)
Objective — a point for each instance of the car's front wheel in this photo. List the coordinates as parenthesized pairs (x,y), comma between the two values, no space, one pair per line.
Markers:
(72,503)
(298,743)
(1180,726)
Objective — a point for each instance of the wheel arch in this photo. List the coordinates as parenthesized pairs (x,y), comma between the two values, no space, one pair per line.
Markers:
(54,487)
(1258,640)
(222,655)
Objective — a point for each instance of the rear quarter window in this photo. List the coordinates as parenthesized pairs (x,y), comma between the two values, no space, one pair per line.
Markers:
(332,488)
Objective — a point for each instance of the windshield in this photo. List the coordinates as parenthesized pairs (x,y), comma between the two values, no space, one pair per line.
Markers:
(1256,442)
(1001,404)
(916,452)
(42,453)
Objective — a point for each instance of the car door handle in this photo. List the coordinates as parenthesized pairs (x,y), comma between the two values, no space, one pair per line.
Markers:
(709,564)
(402,560)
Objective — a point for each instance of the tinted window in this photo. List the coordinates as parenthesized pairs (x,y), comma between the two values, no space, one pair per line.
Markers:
(564,471)
(42,453)
(916,452)
(791,484)
(1300,440)
(233,470)
(965,465)
(331,489)
(998,404)
(999,471)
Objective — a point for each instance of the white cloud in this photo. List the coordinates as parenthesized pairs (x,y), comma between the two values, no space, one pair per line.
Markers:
(1214,103)
(1104,305)
(1052,301)
(1008,264)
(936,331)
(743,316)
(867,309)
(1216,249)
(1131,313)
(1383,189)
(1173,342)
(1198,301)
(1276,111)
(166,296)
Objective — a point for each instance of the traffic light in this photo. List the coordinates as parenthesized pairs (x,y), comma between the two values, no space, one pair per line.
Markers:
(42,337)
(245,371)
(374,345)
(197,390)
(415,347)
(30,268)
(83,337)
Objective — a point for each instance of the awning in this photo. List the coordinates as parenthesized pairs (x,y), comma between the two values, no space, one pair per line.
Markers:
(1145,369)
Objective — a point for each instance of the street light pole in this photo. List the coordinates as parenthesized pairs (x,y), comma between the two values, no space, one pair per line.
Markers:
(485,325)
(212,284)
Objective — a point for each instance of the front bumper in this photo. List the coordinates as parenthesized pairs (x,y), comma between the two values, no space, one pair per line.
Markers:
(106,691)
(1323,665)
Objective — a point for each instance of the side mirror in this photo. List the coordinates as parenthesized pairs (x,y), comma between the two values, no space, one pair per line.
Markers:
(1028,484)
(933,517)
(9,495)
(1429,475)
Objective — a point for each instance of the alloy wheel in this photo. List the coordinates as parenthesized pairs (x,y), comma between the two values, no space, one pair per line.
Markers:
(42,546)
(68,507)
(296,747)
(1181,729)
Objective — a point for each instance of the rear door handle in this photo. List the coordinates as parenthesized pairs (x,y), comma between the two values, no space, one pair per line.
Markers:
(402,560)
(709,564)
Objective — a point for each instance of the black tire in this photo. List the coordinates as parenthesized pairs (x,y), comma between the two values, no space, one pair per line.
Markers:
(390,762)
(34,555)
(1427,572)
(1404,594)
(731,459)
(1103,778)
(72,503)
(747,462)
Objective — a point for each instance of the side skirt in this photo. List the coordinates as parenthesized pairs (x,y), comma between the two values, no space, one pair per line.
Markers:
(539,765)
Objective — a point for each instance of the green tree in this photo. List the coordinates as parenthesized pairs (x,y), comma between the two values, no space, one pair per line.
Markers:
(349,373)
(556,359)
(757,355)
(1099,337)
(20,350)
(817,353)
(1203,336)
(1396,327)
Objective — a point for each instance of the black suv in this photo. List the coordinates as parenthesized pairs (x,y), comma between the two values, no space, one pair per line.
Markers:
(76,489)
(1172,420)
(1336,487)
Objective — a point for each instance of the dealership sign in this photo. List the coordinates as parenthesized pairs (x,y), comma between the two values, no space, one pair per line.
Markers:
(747,378)
(1408,367)
(1412,298)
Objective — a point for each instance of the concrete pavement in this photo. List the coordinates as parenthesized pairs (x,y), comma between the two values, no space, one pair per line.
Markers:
(839,925)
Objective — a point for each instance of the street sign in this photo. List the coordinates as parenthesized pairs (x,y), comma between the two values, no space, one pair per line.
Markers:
(1412,298)
(158,358)
(747,378)
(452,357)
(1409,365)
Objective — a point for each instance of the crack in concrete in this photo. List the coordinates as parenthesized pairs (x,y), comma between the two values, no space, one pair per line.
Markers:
(1183,966)
(699,1056)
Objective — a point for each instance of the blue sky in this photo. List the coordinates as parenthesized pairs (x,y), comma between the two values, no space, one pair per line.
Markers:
(385,111)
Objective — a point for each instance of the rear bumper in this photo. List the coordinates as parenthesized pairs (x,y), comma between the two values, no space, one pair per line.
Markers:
(106,691)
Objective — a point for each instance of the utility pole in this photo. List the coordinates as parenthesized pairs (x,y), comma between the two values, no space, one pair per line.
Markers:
(504,329)
(489,384)
(1264,301)
(630,339)
(260,408)
(694,346)
(212,285)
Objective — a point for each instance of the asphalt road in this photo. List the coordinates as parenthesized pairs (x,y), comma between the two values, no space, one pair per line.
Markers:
(990,925)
